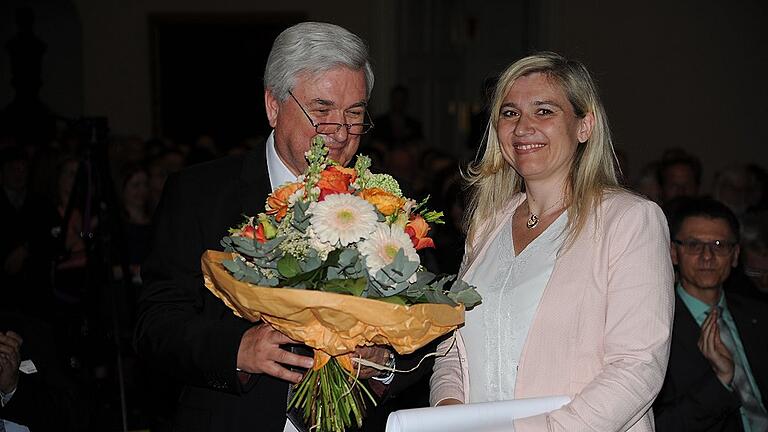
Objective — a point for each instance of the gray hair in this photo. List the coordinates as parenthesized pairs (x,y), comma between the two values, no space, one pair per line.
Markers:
(313,47)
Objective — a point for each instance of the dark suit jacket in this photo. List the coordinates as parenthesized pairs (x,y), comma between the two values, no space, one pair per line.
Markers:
(692,398)
(182,327)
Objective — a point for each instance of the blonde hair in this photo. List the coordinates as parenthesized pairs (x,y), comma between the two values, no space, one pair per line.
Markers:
(493,182)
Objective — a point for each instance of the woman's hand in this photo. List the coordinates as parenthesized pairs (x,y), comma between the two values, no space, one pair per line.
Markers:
(450,401)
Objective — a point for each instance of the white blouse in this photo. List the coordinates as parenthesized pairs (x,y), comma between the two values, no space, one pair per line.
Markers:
(512,287)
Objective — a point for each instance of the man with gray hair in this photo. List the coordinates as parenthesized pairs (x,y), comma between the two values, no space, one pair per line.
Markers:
(236,374)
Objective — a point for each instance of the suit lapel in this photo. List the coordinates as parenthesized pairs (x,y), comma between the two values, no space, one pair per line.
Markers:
(753,332)
(253,182)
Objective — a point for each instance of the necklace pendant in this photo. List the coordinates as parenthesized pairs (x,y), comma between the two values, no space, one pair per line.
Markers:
(532,221)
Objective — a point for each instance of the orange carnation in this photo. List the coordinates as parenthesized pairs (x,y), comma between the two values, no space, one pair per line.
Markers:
(384,201)
(417,229)
(277,201)
(335,180)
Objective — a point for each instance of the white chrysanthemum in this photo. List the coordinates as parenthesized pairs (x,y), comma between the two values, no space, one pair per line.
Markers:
(380,248)
(342,219)
(299,194)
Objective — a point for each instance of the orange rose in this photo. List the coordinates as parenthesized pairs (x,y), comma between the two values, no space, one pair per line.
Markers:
(384,201)
(417,229)
(277,201)
(335,180)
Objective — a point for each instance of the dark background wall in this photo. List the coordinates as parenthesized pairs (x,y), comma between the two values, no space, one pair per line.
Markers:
(684,74)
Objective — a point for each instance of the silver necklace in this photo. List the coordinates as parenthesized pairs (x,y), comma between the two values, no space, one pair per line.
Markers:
(534,219)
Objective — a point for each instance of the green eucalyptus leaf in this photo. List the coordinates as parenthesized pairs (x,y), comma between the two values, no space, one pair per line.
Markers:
(288,266)
(438,297)
(231,266)
(468,297)
(301,217)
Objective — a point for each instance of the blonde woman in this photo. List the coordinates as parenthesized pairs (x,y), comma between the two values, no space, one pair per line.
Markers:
(575,272)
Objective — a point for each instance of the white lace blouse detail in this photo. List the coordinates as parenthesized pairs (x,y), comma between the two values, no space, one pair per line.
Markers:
(512,287)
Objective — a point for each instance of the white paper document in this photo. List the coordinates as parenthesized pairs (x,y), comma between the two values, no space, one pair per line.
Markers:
(478,417)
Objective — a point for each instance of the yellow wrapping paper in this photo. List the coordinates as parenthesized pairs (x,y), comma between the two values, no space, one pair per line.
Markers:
(333,323)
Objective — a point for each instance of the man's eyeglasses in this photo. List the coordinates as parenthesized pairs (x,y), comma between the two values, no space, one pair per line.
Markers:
(332,128)
(696,247)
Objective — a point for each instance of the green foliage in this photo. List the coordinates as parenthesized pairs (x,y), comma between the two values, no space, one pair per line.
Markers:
(349,266)
(464,293)
(243,272)
(353,287)
(392,279)
(288,266)
(301,216)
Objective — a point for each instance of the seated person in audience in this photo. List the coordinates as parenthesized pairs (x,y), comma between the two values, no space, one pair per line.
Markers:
(732,187)
(717,378)
(679,175)
(752,280)
(42,395)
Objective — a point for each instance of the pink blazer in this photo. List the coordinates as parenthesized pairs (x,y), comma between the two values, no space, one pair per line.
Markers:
(602,331)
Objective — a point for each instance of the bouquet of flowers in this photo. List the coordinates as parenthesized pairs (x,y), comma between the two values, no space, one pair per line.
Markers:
(345,231)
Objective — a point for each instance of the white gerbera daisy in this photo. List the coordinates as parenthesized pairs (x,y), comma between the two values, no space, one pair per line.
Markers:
(342,219)
(380,248)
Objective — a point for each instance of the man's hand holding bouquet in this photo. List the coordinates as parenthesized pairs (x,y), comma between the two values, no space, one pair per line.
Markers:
(342,245)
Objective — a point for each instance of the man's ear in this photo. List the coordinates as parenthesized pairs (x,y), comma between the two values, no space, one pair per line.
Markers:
(673,253)
(735,259)
(272,106)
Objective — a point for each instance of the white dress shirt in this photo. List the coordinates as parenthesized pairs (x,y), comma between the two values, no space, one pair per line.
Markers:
(279,174)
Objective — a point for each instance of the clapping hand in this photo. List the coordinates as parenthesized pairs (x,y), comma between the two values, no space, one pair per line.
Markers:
(10,358)
(714,350)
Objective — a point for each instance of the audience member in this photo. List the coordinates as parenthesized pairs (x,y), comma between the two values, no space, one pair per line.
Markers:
(679,174)
(20,234)
(647,183)
(754,255)
(733,187)
(43,395)
(717,376)
(758,191)
(135,218)
(67,246)
(160,167)
(397,127)
(203,150)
